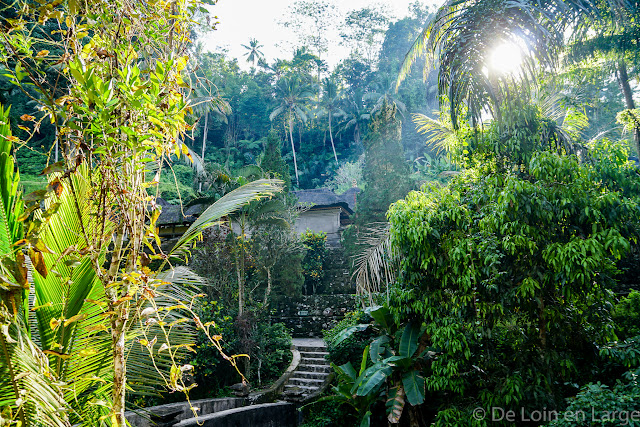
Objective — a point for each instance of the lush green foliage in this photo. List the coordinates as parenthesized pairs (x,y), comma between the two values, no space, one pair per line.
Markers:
(613,404)
(272,161)
(515,301)
(270,352)
(351,348)
(385,171)
(313,262)
(626,315)
(393,372)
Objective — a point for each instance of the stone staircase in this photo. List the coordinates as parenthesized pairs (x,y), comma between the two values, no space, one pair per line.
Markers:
(311,373)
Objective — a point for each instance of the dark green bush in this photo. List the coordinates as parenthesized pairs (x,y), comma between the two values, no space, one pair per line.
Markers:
(626,315)
(267,345)
(328,413)
(272,353)
(599,404)
(313,262)
(351,349)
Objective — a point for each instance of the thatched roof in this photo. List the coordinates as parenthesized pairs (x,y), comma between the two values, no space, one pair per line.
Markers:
(324,198)
(178,215)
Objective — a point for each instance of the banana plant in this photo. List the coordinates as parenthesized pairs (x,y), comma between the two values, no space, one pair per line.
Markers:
(390,367)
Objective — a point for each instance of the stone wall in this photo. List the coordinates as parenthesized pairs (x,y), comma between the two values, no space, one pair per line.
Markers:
(309,315)
(281,414)
(337,276)
(140,418)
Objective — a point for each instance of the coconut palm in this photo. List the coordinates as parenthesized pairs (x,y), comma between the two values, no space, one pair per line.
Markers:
(384,92)
(254,53)
(294,93)
(330,106)
(205,100)
(27,393)
(463,34)
(357,115)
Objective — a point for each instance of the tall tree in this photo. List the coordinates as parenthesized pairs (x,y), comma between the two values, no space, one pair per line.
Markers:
(294,93)
(91,231)
(363,30)
(357,115)
(617,41)
(330,106)
(254,53)
(312,20)
(386,171)
(272,161)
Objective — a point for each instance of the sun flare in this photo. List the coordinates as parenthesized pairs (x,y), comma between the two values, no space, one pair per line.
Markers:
(506,58)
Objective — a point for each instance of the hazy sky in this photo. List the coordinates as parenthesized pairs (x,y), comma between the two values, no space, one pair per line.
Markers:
(241,20)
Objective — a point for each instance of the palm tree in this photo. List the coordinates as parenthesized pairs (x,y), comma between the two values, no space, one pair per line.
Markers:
(205,99)
(254,53)
(294,93)
(356,115)
(23,382)
(384,91)
(463,34)
(330,105)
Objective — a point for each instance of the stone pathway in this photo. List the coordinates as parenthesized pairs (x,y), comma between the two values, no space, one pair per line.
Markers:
(312,371)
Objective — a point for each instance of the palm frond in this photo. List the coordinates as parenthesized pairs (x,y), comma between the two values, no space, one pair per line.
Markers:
(196,162)
(377,265)
(69,303)
(439,135)
(462,35)
(162,338)
(10,199)
(275,113)
(27,386)
(227,204)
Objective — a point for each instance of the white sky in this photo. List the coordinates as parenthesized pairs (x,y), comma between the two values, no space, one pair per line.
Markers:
(241,20)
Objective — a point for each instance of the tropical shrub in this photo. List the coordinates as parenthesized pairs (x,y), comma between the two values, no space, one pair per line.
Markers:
(95,314)
(509,269)
(328,413)
(313,262)
(615,400)
(626,315)
(351,348)
(392,374)
(348,175)
(269,349)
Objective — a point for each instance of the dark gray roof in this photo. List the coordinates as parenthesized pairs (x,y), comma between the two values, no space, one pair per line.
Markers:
(178,215)
(323,197)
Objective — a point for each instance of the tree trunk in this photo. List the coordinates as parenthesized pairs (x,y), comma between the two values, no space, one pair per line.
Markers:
(267,293)
(118,323)
(239,260)
(240,266)
(331,137)
(204,145)
(623,82)
(293,148)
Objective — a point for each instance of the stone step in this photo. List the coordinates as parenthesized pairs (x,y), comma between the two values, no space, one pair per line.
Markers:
(311,374)
(314,361)
(303,348)
(309,382)
(316,354)
(312,367)
(303,388)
